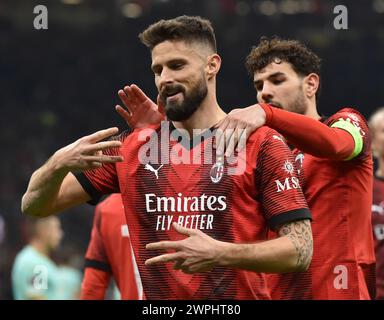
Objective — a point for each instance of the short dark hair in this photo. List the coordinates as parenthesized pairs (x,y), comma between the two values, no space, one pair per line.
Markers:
(302,59)
(186,28)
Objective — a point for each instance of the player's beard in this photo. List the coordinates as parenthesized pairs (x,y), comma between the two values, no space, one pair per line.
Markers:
(181,111)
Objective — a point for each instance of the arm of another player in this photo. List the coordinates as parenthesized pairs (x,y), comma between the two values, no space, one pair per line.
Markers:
(97,267)
(341,141)
(53,188)
(291,252)
(95,284)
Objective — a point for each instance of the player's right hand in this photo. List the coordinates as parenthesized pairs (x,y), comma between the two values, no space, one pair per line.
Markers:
(87,152)
(140,110)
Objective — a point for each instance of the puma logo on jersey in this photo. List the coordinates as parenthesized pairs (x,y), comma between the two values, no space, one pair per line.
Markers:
(152,169)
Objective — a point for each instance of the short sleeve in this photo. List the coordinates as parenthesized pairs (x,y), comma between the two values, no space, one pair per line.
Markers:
(278,183)
(96,256)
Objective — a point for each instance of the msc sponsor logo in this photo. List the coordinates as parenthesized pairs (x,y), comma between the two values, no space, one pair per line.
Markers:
(288,167)
(288,184)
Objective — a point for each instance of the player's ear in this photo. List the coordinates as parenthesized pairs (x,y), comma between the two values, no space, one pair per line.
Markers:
(213,65)
(311,84)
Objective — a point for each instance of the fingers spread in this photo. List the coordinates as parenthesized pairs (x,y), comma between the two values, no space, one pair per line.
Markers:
(101,135)
(123,113)
(168,257)
(242,140)
(163,245)
(103,159)
(138,94)
(234,140)
(126,100)
(104,145)
(183,230)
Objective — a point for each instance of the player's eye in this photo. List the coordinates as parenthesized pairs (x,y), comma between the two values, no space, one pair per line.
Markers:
(177,66)
(156,71)
(278,81)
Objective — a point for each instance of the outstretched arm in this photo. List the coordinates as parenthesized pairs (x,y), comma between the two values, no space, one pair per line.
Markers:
(53,188)
(290,252)
(324,142)
(341,141)
(95,284)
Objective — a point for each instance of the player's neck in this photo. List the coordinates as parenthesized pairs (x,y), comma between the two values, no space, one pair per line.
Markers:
(40,247)
(207,115)
(312,112)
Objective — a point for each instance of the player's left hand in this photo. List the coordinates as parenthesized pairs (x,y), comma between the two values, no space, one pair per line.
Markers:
(234,130)
(197,253)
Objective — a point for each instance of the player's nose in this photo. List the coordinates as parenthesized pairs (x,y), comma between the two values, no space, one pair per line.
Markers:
(266,95)
(166,78)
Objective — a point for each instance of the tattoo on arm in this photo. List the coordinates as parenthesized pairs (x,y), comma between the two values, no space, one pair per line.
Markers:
(300,233)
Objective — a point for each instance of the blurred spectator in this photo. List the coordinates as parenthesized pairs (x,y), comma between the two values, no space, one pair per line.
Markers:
(376,124)
(34,275)
(69,275)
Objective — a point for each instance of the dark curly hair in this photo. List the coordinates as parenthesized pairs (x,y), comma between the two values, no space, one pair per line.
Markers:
(303,60)
(187,28)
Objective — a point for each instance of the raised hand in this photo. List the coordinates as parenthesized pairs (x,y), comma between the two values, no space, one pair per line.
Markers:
(140,110)
(86,153)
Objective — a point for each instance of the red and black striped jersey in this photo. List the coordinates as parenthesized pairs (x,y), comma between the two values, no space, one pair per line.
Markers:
(165,178)
(109,249)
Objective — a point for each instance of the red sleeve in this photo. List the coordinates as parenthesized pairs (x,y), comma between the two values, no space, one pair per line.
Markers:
(278,183)
(94,285)
(96,256)
(309,135)
(97,268)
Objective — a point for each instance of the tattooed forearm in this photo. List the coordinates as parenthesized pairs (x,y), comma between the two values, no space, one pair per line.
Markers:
(300,233)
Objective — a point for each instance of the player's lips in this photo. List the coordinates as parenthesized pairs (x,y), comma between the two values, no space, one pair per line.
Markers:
(174,96)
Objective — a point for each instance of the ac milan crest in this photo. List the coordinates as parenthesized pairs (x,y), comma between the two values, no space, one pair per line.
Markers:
(217,172)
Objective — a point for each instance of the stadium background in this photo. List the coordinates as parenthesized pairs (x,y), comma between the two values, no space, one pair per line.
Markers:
(59,84)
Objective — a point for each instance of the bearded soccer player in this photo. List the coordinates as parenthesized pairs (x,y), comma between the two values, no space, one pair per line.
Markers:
(110,254)
(209,218)
(376,124)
